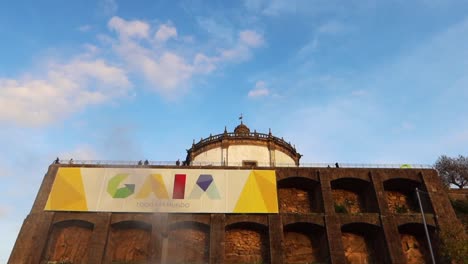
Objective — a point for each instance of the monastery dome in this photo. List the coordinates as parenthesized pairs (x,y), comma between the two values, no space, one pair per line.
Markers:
(243,148)
(242,129)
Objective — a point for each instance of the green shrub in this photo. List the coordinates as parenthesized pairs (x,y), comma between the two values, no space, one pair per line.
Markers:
(401,209)
(339,208)
(454,245)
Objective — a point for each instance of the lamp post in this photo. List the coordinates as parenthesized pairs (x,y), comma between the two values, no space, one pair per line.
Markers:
(425,227)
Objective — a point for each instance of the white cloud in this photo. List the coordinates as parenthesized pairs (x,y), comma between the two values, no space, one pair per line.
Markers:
(84,28)
(308,48)
(167,70)
(91,50)
(276,7)
(242,50)
(108,7)
(165,32)
(260,90)
(128,29)
(251,38)
(333,28)
(67,88)
(219,30)
(204,64)
(70,86)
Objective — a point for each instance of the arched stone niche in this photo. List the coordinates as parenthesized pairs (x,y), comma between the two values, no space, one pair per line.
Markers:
(189,242)
(363,244)
(299,195)
(353,196)
(401,196)
(129,242)
(414,243)
(246,242)
(69,242)
(305,243)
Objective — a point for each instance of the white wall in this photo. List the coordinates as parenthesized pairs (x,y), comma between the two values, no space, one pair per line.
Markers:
(282,159)
(238,153)
(212,155)
(235,154)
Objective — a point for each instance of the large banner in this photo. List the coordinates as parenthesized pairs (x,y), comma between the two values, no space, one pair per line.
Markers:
(163,190)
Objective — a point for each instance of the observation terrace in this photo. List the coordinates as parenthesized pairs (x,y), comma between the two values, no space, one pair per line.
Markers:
(141,163)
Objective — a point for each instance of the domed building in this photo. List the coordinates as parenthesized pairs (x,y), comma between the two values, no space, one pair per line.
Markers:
(243,148)
(239,197)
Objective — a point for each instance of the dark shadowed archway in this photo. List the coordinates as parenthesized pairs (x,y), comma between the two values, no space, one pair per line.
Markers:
(305,243)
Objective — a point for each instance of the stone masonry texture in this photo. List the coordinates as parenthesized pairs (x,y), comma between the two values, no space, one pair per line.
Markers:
(326,215)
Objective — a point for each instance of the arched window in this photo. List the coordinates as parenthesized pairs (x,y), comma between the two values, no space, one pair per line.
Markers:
(353,196)
(189,242)
(129,241)
(414,243)
(247,243)
(299,195)
(69,242)
(401,196)
(305,243)
(363,243)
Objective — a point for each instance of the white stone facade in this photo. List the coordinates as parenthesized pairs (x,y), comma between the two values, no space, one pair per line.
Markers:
(235,155)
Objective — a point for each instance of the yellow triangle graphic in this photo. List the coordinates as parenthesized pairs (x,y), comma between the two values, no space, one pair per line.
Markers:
(250,200)
(266,181)
(153,184)
(67,191)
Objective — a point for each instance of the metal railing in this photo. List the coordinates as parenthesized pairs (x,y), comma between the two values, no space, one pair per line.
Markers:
(254,135)
(239,164)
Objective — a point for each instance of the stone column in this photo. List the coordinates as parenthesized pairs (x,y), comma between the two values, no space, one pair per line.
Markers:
(217,230)
(159,237)
(332,222)
(387,220)
(224,153)
(271,150)
(275,228)
(97,243)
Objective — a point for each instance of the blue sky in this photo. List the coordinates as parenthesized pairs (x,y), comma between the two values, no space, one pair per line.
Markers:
(349,81)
